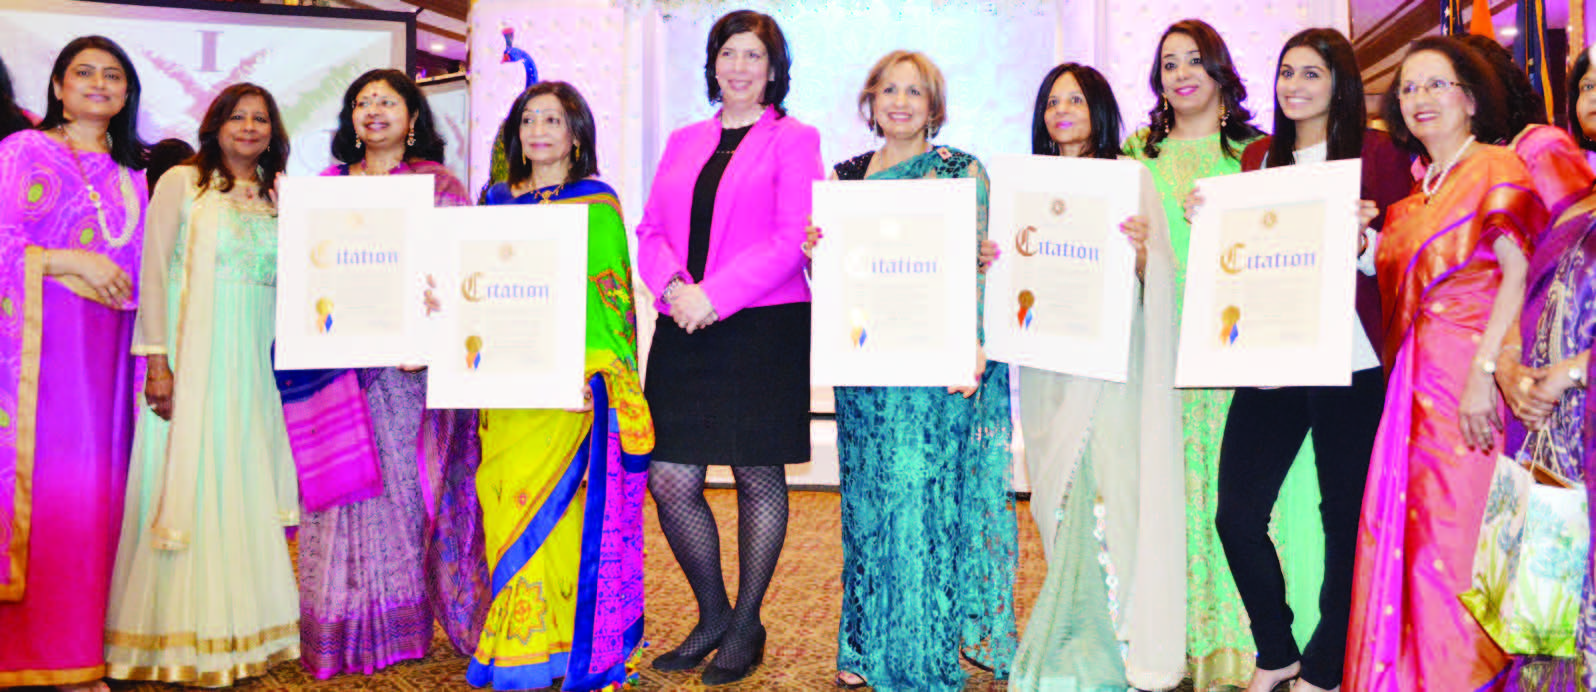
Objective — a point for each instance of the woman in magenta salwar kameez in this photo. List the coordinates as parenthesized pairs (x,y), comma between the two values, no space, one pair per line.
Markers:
(1451,266)
(72,200)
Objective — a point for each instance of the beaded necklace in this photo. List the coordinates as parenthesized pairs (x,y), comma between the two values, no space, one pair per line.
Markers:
(129,219)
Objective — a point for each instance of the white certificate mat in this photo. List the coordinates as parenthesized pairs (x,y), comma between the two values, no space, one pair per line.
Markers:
(894,283)
(511,285)
(1269,287)
(1062,294)
(348,291)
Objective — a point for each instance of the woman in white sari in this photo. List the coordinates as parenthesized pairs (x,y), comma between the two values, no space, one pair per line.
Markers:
(1105,461)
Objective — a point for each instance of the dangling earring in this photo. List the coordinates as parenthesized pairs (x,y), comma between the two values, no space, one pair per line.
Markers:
(108,140)
(358,143)
(576,151)
(410,140)
(1165,114)
(1224,115)
(524,159)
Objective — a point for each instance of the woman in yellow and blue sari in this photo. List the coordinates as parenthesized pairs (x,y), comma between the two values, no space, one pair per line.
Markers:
(562,491)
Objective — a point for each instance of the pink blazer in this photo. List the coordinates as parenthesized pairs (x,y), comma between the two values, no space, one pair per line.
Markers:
(761,208)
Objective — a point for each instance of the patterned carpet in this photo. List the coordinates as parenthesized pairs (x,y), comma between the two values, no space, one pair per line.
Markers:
(800,613)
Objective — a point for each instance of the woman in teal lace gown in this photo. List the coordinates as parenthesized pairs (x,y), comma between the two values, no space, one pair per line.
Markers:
(1198,130)
(928,533)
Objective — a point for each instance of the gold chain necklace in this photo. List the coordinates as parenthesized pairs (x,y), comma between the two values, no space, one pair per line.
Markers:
(94,195)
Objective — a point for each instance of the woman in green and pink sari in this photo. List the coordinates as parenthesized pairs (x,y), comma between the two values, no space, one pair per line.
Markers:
(562,491)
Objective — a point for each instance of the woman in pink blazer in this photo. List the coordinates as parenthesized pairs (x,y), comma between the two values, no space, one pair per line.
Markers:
(728,375)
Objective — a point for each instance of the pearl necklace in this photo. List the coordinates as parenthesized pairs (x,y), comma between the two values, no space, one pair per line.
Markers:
(1439,171)
(128,221)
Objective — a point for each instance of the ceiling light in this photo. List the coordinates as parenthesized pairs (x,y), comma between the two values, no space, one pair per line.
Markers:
(1508,31)
(437,46)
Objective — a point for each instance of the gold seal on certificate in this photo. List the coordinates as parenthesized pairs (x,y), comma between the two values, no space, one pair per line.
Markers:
(894,283)
(355,262)
(1063,300)
(347,289)
(1269,287)
(1275,273)
(509,328)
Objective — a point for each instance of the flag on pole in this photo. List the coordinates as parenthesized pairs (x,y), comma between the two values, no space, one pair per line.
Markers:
(1529,51)
(1452,17)
(1481,22)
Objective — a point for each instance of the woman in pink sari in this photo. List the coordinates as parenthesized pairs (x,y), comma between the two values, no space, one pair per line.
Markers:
(72,200)
(1451,265)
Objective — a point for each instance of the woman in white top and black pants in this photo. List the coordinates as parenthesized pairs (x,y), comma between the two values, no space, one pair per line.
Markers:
(1319,116)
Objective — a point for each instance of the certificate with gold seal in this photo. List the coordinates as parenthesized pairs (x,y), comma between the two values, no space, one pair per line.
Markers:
(1062,294)
(1269,287)
(894,283)
(506,293)
(347,285)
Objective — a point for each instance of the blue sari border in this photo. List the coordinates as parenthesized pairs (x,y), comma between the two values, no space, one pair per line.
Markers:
(533,676)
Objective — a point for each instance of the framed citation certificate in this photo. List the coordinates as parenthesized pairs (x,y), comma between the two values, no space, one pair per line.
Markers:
(348,292)
(506,293)
(1062,294)
(1269,286)
(894,283)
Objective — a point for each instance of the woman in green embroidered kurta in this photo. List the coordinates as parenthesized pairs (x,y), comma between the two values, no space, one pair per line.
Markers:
(1198,130)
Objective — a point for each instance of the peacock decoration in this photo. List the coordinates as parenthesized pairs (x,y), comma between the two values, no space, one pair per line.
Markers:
(500,169)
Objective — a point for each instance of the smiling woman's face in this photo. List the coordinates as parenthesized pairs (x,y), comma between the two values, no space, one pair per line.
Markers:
(1184,80)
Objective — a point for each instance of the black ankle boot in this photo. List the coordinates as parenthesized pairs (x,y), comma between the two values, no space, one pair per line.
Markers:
(716,674)
(682,658)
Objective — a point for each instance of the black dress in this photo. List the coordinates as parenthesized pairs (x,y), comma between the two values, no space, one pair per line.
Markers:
(735,393)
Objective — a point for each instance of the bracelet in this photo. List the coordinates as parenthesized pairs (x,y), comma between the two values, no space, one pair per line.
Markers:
(670,288)
(1486,365)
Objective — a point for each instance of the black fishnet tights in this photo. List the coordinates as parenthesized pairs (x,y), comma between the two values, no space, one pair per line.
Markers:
(689,527)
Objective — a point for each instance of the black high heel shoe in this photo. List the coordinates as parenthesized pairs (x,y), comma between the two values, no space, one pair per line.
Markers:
(679,658)
(716,674)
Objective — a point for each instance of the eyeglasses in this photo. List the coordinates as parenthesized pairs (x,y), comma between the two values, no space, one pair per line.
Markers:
(1433,87)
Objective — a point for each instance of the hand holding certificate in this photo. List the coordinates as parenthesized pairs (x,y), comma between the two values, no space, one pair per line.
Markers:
(894,283)
(1269,290)
(1063,296)
(347,280)
(508,289)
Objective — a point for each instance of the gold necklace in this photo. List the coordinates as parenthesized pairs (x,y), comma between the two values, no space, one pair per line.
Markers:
(129,219)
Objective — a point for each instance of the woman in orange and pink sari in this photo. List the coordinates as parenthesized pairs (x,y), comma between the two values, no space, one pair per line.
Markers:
(1451,265)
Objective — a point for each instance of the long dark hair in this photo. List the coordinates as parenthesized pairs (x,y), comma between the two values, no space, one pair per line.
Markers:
(1576,72)
(1524,106)
(12,119)
(769,33)
(1474,76)
(1220,68)
(209,159)
(126,148)
(429,144)
(578,118)
(1348,116)
(1100,103)
(165,155)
